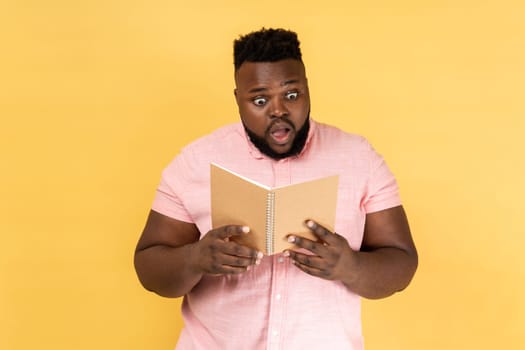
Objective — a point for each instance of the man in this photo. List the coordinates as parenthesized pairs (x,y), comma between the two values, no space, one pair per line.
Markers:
(236,298)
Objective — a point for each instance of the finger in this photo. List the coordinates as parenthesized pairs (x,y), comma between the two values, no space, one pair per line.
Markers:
(312,261)
(229,264)
(227,269)
(322,232)
(315,247)
(235,261)
(235,249)
(308,264)
(231,230)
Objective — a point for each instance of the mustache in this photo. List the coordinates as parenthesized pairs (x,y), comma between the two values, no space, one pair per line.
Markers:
(284,120)
(298,144)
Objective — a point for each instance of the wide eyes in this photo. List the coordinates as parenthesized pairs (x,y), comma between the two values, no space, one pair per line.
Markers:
(261,101)
(292,95)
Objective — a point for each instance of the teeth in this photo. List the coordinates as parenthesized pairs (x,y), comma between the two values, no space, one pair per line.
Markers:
(280,133)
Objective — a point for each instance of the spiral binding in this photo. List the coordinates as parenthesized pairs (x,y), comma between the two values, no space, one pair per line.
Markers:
(270,221)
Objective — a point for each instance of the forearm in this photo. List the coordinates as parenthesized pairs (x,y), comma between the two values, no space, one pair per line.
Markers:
(381,272)
(167,271)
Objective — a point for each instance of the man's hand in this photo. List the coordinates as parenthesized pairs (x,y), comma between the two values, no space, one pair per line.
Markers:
(215,253)
(171,258)
(385,263)
(332,258)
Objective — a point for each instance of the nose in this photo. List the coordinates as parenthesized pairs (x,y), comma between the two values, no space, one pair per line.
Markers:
(278,108)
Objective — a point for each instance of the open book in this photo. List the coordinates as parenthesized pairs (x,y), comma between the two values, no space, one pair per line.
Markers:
(271,213)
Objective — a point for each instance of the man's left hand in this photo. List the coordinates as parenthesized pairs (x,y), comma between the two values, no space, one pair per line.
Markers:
(333,258)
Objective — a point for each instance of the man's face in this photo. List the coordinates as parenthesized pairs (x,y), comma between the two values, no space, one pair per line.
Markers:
(274,104)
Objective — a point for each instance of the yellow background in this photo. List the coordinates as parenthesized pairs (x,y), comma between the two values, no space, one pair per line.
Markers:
(96,97)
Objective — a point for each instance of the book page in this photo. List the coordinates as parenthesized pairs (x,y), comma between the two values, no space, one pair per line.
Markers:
(236,201)
(294,204)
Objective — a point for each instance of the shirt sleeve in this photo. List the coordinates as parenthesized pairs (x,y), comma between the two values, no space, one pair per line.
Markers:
(167,199)
(382,191)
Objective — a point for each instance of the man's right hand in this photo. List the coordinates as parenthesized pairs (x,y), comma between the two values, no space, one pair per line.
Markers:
(171,258)
(216,254)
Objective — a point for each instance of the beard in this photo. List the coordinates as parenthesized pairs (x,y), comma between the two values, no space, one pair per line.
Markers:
(298,144)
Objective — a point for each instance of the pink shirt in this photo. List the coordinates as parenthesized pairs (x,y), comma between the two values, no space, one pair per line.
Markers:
(275,305)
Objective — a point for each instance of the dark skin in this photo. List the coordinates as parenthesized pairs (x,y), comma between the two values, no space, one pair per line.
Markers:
(273,100)
(170,259)
(384,265)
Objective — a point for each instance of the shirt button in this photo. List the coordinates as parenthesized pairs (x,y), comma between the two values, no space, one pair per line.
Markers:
(280,259)
(275,333)
(278,297)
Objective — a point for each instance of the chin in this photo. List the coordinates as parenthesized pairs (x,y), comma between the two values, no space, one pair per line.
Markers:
(282,150)
(291,148)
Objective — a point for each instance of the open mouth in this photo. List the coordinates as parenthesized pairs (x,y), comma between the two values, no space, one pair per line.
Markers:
(280,133)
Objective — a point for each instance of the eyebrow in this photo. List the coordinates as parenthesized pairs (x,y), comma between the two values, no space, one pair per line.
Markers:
(291,81)
(260,89)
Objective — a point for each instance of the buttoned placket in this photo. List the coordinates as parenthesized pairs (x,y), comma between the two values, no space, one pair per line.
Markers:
(280,265)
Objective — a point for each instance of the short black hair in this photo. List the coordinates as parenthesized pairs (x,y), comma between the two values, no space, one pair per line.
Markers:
(266,45)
